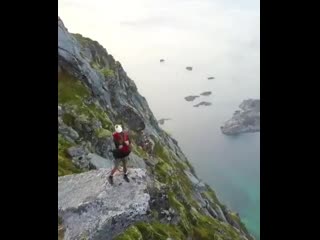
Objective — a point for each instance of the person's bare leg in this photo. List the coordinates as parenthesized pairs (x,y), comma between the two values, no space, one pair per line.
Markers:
(124,163)
(116,164)
(125,176)
(113,171)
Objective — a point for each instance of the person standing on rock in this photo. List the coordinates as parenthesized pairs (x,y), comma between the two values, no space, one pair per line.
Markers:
(122,151)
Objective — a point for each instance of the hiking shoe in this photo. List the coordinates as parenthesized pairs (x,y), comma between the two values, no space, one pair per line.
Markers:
(110,179)
(125,177)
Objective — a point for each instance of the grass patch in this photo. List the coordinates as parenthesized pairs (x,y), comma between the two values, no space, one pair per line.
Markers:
(107,72)
(161,152)
(70,90)
(158,231)
(61,229)
(211,195)
(140,152)
(65,164)
(102,133)
(132,233)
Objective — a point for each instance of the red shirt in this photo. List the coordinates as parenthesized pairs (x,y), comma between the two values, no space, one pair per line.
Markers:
(119,139)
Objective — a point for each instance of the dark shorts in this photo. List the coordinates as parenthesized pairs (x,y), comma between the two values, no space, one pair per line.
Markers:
(119,154)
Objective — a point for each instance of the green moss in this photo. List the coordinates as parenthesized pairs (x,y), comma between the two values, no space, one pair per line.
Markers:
(102,133)
(161,152)
(65,165)
(203,233)
(73,93)
(181,165)
(107,72)
(158,231)
(191,168)
(184,223)
(162,171)
(87,113)
(96,66)
(237,219)
(132,233)
(211,195)
(154,214)
(101,115)
(82,40)
(68,119)
(139,151)
(70,90)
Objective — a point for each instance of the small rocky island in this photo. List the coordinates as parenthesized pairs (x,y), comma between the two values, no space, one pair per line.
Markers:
(161,60)
(245,120)
(210,78)
(190,98)
(203,104)
(189,68)
(206,93)
(162,120)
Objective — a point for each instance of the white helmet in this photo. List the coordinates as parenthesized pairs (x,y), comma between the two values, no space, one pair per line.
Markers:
(118,128)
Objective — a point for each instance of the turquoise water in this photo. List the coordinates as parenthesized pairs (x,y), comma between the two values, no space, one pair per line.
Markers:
(230,165)
(217,38)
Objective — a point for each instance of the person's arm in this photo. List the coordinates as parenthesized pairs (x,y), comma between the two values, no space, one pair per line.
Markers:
(116,142)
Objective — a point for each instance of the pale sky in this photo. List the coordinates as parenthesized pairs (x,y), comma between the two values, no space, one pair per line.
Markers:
(220,37)
(125,24)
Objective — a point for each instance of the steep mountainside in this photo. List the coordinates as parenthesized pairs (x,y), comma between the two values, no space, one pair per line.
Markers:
(164,199)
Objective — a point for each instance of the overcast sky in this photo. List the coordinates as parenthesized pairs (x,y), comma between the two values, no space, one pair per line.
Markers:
(124,24)
(222,36)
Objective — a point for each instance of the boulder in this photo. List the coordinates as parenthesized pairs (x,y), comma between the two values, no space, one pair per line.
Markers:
(91,208)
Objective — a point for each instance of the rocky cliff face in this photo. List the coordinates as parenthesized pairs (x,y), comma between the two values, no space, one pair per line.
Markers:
(164,199)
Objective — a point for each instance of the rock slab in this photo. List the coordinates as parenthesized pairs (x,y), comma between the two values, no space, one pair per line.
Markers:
(91,208)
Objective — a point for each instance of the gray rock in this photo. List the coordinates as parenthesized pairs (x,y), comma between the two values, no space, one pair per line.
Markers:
(203,104)
(78,155)
(152,161)
(245,120)
(76,151)
(136,161)
(60,112)
(212,212)
(102,147)
(220,213)
(60,121)
(90,207)
(68,132)
(96,124)
(190,98)
(232,222)
(133,119)
(99,162)
(206,93)
(195,181)
(162,120)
